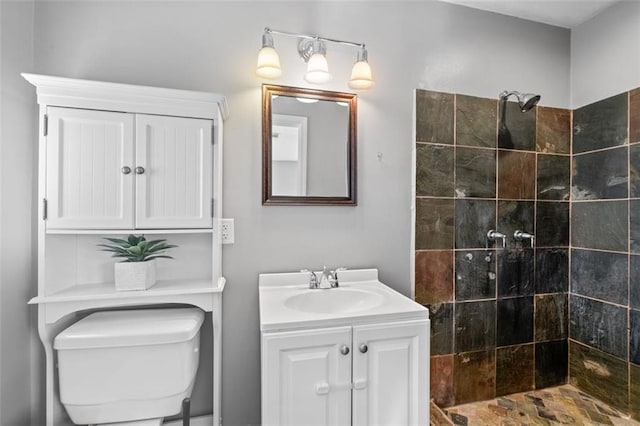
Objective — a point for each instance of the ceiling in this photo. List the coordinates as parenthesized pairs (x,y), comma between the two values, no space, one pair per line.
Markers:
(561,13)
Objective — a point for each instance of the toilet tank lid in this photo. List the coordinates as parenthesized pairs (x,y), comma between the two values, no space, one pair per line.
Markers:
(131,328)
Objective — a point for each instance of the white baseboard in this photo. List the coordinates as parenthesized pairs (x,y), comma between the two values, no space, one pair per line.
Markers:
(195,421)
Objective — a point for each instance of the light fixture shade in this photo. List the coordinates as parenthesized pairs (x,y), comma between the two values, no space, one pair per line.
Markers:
(268,63)
(361,76)
(317,69)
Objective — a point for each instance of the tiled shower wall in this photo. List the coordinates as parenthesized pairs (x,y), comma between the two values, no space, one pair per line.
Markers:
(498,316)
(604,297)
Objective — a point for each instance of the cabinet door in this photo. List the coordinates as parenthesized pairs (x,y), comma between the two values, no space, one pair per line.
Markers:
(391,374)
(174,160)
(306,379)
(86,184)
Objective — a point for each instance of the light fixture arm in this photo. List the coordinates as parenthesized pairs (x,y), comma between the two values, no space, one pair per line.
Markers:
(313,37)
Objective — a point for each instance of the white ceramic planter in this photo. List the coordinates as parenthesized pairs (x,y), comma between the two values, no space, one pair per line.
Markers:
(135,275)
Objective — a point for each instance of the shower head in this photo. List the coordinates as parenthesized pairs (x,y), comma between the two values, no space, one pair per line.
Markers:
(526,101)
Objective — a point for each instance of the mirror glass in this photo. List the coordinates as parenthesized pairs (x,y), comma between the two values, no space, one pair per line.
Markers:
(309,146)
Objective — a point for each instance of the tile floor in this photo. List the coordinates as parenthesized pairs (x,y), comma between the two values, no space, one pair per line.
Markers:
(553,406)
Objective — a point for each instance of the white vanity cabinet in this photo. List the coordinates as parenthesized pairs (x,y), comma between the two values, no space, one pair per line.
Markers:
(115,170)
(361,375)
(118,159)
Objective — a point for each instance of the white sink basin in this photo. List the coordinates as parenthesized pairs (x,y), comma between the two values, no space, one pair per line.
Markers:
(287,303)
(334,300)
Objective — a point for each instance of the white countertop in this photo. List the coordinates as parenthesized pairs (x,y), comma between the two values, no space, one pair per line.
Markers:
(277,290)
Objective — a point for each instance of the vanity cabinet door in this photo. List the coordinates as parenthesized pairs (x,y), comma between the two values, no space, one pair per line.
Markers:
(174,161)
(89,169)
(391,374)
(306,378)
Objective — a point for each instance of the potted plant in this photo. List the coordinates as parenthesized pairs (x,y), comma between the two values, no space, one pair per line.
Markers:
(138,270)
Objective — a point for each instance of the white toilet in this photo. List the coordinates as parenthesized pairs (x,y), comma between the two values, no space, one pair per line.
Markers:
(128,367)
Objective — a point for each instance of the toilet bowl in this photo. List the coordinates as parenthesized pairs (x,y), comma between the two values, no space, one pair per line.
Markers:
(133,366)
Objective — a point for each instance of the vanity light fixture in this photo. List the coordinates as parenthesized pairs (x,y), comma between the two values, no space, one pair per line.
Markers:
(312,49)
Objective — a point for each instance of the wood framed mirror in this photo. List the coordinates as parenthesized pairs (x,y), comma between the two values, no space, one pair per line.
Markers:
(308,146)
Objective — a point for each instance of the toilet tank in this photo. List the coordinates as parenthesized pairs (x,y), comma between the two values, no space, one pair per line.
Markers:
(128,365)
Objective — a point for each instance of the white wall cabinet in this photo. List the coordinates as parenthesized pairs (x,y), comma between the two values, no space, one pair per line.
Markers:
(111,170)
(116,159)
(353,375)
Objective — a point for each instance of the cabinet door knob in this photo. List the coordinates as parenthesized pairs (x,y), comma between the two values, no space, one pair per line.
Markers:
(125,170)
(364,348)
(139,170)
(344,350)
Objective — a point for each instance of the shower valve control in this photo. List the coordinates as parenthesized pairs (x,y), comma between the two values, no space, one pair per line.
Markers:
(493,235)
(521,235)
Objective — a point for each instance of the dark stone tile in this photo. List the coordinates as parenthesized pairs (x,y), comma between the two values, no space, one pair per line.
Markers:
(475,326)
(600,225)
(634,170)
(554,175)
(515,321)
(434,276)
(434,170)
(598,324)
(634,281)
(515,215)
(634,226)
(518,129)
(634,391)
(552,270)
(602,124)
(634,115)
(434,224)
(551,363)
(634,336)
(434,117)
(552,224)
(553,130)
(442,380)
(476,121)
(441,316)
(514,369)
(599,374)
(475,172)
(473,219)
(516,172)
(600,175)
(475,275)
(474,376)
(515,272)
(600,275)
(551,317)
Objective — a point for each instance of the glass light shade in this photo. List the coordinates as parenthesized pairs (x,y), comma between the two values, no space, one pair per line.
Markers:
(268,63)
(361,76)
(317,69)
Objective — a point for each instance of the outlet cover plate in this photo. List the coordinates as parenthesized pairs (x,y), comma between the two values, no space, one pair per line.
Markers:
(227,234)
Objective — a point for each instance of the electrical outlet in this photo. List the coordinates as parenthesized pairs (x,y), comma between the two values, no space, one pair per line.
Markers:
(226,231)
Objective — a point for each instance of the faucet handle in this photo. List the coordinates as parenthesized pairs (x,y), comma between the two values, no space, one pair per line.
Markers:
(313,278)
(493,235)
(333,279)
(521,235)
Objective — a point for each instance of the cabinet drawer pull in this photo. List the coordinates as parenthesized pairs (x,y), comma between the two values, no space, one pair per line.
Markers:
(322,388)
(364,348)
(126,170)
(139,170)
(344,350)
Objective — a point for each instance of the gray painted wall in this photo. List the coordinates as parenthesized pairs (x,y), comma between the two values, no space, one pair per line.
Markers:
(17,235)
(605,57)
(213,46)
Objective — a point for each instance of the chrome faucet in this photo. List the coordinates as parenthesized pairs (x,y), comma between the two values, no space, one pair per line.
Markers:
(521,235)
(493,235)
(328,279)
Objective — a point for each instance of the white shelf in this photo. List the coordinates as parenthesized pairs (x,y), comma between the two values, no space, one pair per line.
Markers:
(129,231)
(107,291)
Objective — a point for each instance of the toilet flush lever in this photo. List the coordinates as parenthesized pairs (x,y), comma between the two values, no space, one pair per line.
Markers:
(521,235)
(493,235)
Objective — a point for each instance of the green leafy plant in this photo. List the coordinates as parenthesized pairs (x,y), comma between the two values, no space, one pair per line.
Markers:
(137,249)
